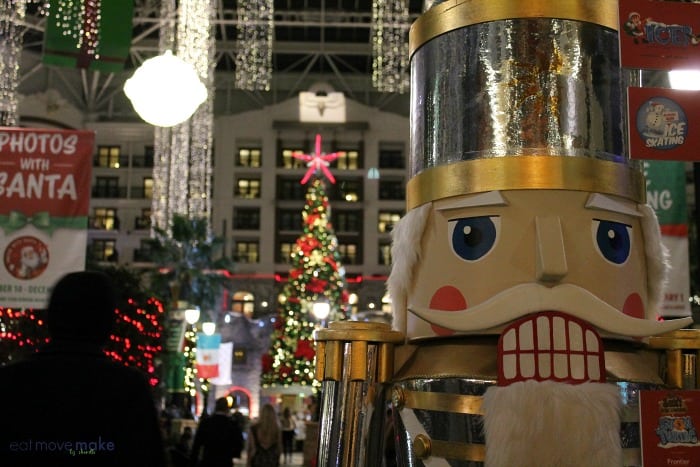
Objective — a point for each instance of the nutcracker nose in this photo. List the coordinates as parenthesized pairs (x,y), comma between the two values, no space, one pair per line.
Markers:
(551,255)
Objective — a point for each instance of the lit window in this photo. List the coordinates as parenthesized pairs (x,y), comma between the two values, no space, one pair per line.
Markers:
(247,252)
(285,252)
(104,250)
(249,157)
(247,188)
(385,254)
(108,156)
(291,162)
(105,218)
(348,253)
(348,160)
(387,221)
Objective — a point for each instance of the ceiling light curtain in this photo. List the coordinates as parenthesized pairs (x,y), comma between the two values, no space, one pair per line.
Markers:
(182,162)
(13,12)
(254,45)
(390,23)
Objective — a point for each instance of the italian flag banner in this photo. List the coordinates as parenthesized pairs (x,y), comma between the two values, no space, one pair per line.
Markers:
(208,355)
(666,194)
(90,34)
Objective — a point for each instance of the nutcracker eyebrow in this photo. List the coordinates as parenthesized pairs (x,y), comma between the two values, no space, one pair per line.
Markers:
(491,198)
(608,203)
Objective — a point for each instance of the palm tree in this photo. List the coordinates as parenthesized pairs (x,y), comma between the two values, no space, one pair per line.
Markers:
(187,267)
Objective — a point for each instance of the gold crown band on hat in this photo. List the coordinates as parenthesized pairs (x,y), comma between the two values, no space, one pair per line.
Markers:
(455,14)
(523,173)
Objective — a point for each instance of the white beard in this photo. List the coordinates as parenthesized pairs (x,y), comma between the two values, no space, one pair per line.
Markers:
(549,424)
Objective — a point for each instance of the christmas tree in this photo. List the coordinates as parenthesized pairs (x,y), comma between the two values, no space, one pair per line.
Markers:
(316,276)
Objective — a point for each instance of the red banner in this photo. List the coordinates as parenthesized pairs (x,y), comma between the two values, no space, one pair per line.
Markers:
(45,180)
(660,124)
(659,35)
(668,426)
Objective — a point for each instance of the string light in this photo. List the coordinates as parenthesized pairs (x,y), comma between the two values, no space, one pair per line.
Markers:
(11,33)
(136,340)
(390,24)
(254,45)
(316,275)
(182,162)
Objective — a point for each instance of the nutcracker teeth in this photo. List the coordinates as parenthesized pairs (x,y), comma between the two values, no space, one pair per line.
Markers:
(550,346)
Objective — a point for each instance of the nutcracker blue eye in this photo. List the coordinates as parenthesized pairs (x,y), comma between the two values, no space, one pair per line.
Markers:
(612,239)
(473,237)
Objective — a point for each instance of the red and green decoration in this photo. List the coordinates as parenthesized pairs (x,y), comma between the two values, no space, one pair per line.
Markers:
(136,341)
(89,34)
(316,275)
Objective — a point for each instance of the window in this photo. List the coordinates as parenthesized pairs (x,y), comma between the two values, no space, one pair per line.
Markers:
(144,220)
(387,220)
(349,253)
(246,218)
(348,160)
(384,254)
(247,188)
(240,355)
(144,253)
(386,303)
(285,252)
(391,157)
(288,161)
(246,251)
(349,191)
(291,189)
(146,160)
(347,221)
(107,187)
(104,250)
(148,187)
(391,189)
(105,218)
(289,219)
(244,303)
(249,157)
(108,156)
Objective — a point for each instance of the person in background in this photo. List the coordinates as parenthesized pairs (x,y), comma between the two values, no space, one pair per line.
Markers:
(288,426)
(69,404)
(218,437)
(264,440)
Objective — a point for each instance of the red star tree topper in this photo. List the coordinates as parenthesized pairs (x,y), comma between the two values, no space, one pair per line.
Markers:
(317,162)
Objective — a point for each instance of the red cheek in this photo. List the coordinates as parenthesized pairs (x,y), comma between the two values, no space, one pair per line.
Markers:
(447,298)
(634,306)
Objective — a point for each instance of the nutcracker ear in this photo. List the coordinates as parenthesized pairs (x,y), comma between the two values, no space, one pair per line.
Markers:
(657,257)
(406,252)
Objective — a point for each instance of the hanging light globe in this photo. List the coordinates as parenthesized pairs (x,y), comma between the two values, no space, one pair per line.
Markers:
(685,79)
(165,90)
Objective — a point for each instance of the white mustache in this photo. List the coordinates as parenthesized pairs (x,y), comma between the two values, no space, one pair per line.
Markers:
(524,299)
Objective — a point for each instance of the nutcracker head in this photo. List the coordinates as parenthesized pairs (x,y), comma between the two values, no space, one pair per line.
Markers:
(524,212)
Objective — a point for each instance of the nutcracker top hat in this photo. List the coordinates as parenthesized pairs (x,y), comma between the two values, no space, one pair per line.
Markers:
(522,102)
(518,95)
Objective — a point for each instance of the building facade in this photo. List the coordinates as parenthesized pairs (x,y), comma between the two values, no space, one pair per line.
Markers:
(258,199)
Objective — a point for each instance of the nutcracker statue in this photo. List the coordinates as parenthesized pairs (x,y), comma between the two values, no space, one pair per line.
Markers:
(528,269)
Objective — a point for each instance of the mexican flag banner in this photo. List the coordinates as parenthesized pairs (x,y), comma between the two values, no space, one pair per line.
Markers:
(90,34)
(208,355)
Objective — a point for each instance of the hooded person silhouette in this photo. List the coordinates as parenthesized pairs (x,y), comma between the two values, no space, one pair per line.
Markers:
(69,404)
